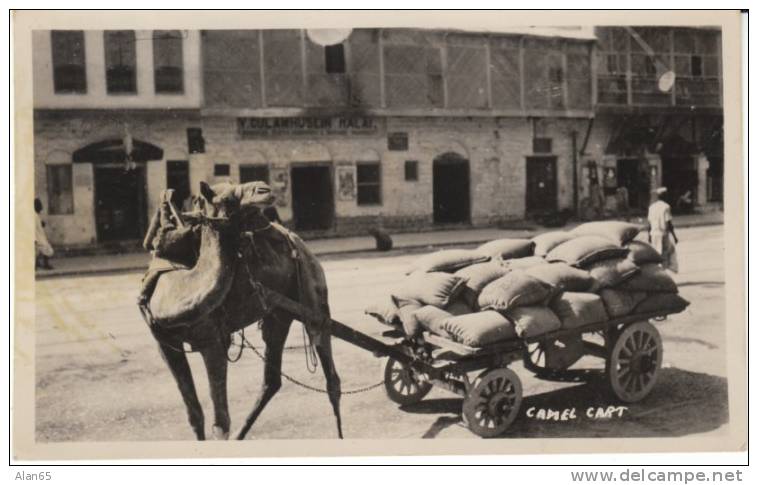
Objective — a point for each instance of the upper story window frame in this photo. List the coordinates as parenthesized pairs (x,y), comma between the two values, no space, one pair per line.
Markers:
(120,62)
(168,62)
(69,62)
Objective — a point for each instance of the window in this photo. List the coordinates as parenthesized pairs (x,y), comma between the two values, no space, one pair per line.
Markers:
(60,197)
(335,59)
(69,71)
(221,170)
(697,66)
(397,141)
(195,140)
(120,61)
(411,170)
(542,145)
(556,74)
(167,61)
(369,184)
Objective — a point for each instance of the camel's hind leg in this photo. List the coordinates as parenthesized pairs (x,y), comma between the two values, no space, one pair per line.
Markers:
(323,345)
(275,329)
(177,363)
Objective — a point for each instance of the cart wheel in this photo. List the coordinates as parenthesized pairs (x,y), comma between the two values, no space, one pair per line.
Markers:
(635,361)
(493,402)
(403,385)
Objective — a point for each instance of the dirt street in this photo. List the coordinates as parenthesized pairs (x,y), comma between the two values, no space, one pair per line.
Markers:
(99,376)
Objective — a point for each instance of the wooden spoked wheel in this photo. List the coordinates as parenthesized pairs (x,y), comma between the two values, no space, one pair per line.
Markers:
(493,402)
(403,385)
(635,361)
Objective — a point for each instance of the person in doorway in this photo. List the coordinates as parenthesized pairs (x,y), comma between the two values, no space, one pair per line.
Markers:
(43,251)
(661,230)
(622,202)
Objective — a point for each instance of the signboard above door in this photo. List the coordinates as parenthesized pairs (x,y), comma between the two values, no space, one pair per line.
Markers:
(251,127)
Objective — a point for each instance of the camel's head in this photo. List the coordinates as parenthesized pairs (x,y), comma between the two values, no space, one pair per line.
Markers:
(229,201)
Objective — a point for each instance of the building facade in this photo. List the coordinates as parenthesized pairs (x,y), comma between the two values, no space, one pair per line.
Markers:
(410,129)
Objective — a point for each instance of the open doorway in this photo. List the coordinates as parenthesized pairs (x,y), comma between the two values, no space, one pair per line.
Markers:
(451,189)
(541,185)
(312,197)
(120,203)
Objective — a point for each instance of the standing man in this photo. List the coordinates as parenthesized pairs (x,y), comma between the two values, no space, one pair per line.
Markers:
(42,248)
(661,230)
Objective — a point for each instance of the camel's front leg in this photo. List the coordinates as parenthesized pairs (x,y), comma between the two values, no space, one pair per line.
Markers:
(177,363)
(216,367)
(275,332)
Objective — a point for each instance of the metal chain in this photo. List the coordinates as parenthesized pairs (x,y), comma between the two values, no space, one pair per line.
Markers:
(246,344)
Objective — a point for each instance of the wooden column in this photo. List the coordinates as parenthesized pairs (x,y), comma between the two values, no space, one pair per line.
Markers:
(488,72)
(262,68)
(382,93)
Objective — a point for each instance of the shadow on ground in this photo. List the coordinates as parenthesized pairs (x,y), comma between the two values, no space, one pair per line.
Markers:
(682,403)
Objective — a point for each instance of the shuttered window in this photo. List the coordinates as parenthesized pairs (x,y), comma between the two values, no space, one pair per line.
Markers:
(69,71)
(168,64)
(369,182)
(120,61)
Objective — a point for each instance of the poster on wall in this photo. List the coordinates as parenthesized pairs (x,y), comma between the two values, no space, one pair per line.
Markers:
(346,182)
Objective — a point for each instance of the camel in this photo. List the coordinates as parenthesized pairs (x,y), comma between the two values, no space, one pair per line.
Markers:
(204,303)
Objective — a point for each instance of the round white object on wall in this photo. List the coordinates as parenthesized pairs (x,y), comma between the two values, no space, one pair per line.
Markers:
(666,81)
(328,36)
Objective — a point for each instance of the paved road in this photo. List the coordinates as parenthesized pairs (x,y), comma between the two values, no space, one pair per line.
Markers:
(100,377)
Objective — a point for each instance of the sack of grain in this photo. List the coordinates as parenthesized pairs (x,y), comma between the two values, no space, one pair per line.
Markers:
(507,248)
(578,309)
(436,289)
(447,260)
(523,263)
(641,253)
(582,251)
(662,302)
(480,329)
(407,316)
(651,278)
(617,232)
(610,273)
(562,276)
(478,276)
(514,289)
(533,321)
(621,303)
(545,242)
(431,318)
(383,310)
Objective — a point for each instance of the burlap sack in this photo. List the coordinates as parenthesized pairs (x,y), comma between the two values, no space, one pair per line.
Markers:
(642,253)
(578,309)
(545,242)
(480,329)
(651,278)
(507,248)
(407,316)
(562,276)
(618,232)
(432,318)
(585,250)
(436,289)
(621,303)
(524,263)
(447,260)
(514,289)
(662,302)
(478,276)
(610,273)
(533,321)
(383,310)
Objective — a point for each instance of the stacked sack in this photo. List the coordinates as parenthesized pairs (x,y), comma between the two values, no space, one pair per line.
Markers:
(512,288)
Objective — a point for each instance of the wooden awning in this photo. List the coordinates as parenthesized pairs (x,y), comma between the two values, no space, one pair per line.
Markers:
(112,151)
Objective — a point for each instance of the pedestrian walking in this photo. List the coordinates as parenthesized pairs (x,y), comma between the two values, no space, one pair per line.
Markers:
(661,230)
(43,251)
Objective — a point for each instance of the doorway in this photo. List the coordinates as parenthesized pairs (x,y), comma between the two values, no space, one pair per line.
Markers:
(120,203)
(312,197)
(679,176)
(177,178)
(541,185)
(252,173)
(628,175)
(451,189)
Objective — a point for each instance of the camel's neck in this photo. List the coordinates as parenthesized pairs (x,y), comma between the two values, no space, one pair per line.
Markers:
(256,222)
(212,243)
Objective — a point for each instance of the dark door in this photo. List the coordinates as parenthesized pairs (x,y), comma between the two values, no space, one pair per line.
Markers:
(679,176)
(120,204)
(715,176)
(451,189)
(252,173)
(541,185)
(628,175)
(312,197)
(177,178)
